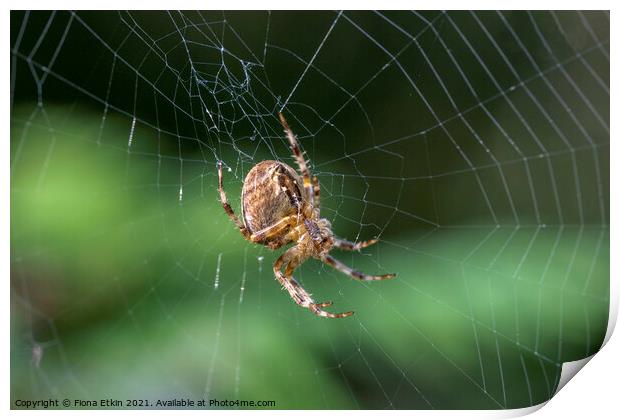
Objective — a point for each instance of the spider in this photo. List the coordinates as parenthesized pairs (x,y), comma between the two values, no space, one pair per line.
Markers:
(279,207)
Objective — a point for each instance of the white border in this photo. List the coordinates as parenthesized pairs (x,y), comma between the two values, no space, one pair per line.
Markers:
(314,5)
(593,394)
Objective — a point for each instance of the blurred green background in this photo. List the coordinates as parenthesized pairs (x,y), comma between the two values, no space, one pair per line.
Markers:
(474,145)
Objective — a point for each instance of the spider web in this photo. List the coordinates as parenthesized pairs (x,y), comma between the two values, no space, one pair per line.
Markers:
(474,145)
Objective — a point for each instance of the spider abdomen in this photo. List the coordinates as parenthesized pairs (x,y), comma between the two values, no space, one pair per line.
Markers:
(271,191)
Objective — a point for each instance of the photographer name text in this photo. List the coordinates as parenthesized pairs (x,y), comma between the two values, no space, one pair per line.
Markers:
(139,403)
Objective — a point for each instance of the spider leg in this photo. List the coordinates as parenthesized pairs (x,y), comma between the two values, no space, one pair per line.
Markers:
(353,246)
(301,161)
(317,193)
(297,292)
(354,273)
(269,232)
(229,211)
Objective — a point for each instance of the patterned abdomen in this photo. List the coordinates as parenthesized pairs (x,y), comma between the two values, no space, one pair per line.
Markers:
(264,197)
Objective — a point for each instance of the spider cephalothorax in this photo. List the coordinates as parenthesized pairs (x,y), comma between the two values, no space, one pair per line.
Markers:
(280,207)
